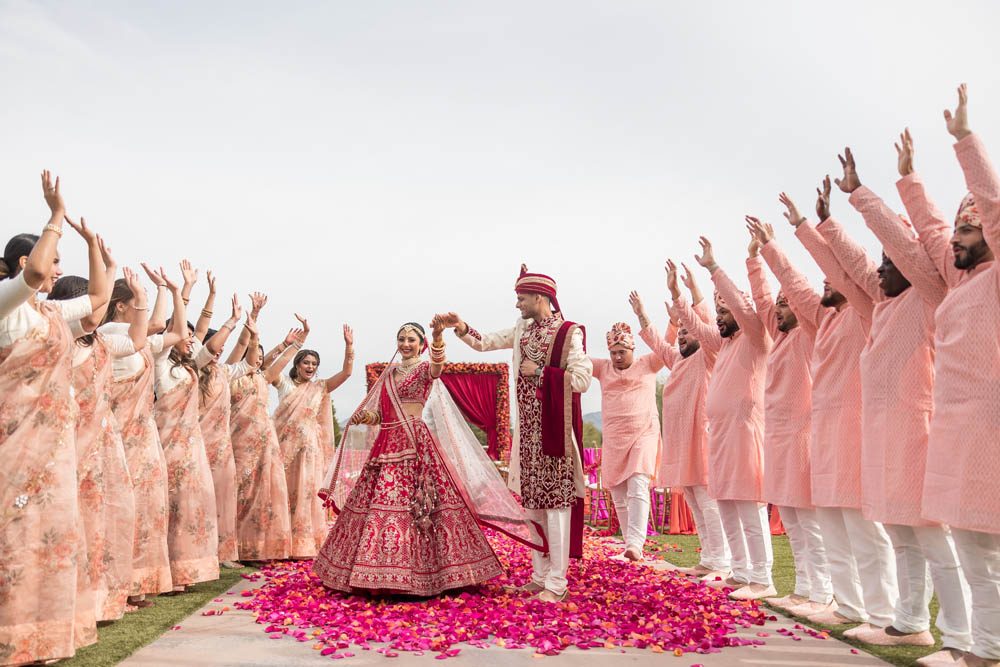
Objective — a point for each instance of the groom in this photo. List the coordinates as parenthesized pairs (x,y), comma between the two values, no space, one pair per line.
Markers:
(545,461)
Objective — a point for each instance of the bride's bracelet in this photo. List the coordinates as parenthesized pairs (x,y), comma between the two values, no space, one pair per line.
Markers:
(437,352)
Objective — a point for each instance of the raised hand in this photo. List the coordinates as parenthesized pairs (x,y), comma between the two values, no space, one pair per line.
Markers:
(636,302)
(671,268)
(294,335)
(153,275)
(348,336)
(850,182)
(170,285)
(753,248)
(50,191)
(237,310)
(83,230)
(958,122)
(707,258)
(904,152)
(450,320)
(251,325)
(763,232)
(109,261)
(257,302)
(211,281)
(188,273)
(823,200)
(688,277)
(437,326)
(133,282)
(793,216)
(304,323)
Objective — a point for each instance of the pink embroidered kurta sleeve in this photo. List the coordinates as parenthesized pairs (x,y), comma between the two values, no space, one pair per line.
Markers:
(699,329)
(853,259)
(962,462)
(900,245)
(803,299)
(932,226)
(834,272)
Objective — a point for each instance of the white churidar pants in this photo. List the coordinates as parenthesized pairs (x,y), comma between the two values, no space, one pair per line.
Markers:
(876,566)
(812,570)
(979,554)
(631,499)
(843,566)
(549,569)
(749,536)
(926,554)
(715,553)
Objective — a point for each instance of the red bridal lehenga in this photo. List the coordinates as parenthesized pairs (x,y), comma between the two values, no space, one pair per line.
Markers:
(412,497)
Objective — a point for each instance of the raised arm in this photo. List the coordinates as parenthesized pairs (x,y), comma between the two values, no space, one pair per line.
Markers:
(438,355)
(257,301)
(43,254)
(498,340)
(190,276)
(157,318)
(92,321)
(932,227)
(759,289)
(138,323)
(335,381)
(737,302)
(663,350)
(279,358)
(178,322)
(851,255)
(97,287)
(980,175)
(899,244)
(706,334)
(218,341)
(205,318)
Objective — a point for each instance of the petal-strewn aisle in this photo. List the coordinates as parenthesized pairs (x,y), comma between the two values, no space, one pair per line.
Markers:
(611,605)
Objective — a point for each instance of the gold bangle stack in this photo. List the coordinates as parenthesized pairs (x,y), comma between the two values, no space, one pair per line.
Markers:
(52,228)
(206,313)
(437,352)
(185,300)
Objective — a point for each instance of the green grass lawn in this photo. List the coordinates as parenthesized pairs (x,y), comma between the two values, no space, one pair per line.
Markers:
(784,581)
(120,639)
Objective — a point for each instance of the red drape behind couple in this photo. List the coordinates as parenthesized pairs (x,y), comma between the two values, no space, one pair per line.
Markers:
(476,397)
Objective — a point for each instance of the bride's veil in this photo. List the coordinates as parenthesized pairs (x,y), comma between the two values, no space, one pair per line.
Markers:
(472,471)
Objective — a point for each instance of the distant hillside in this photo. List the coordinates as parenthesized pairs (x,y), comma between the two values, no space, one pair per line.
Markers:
(593,418)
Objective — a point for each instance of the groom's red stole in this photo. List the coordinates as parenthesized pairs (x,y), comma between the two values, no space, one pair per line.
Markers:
(562,418)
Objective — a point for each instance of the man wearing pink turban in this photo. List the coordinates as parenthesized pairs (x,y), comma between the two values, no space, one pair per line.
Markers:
(631,429)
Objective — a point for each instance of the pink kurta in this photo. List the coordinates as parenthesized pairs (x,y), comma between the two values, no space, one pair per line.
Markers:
(629,422)
(107,502)
(132,403)
(734,403)
(897,364)
(835,434)
(303,422)
(787,400)
(193,535)
(263,529)
(214,422)
(684,453)
(41,535)
(960,487)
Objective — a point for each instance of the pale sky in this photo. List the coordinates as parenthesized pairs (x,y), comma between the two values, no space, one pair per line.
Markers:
(375,162)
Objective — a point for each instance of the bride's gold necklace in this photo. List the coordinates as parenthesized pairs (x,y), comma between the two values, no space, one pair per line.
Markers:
(406,366)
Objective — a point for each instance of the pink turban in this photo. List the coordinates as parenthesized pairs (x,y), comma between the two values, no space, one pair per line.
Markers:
(621,334)
(968,213)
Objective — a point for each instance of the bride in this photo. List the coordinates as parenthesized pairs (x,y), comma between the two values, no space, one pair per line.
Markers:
(412,488)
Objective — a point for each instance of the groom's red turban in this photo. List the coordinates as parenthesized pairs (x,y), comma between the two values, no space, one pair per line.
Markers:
(537,283)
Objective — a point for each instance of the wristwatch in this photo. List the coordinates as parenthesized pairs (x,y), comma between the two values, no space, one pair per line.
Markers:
(538,372)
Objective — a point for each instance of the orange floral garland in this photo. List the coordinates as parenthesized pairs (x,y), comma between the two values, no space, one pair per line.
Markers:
(502,371)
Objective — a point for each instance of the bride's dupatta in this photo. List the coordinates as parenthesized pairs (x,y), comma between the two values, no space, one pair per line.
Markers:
(470,469)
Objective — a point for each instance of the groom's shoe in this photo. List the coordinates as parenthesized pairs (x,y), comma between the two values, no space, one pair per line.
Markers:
(530,587)
(548,596)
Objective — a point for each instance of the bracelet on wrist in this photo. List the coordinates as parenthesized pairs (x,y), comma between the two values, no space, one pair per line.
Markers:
(52,228)
(185,300)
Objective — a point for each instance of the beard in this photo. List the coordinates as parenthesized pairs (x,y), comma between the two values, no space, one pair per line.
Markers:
(787,326)
(972,255)
(727,330)
(832,299)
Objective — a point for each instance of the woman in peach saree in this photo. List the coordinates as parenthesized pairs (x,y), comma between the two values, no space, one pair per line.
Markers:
(192,532)
(107,501)
(263,527)
(303,421)
(132,404)
(44,614)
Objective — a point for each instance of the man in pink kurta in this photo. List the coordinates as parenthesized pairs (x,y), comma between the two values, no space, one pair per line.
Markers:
(735,409)
(963,466)
(631,432)
(897,380)
(860,555)
(684,453)
(787,421)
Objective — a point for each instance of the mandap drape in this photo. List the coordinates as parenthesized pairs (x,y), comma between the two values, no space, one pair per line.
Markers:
(475,396)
